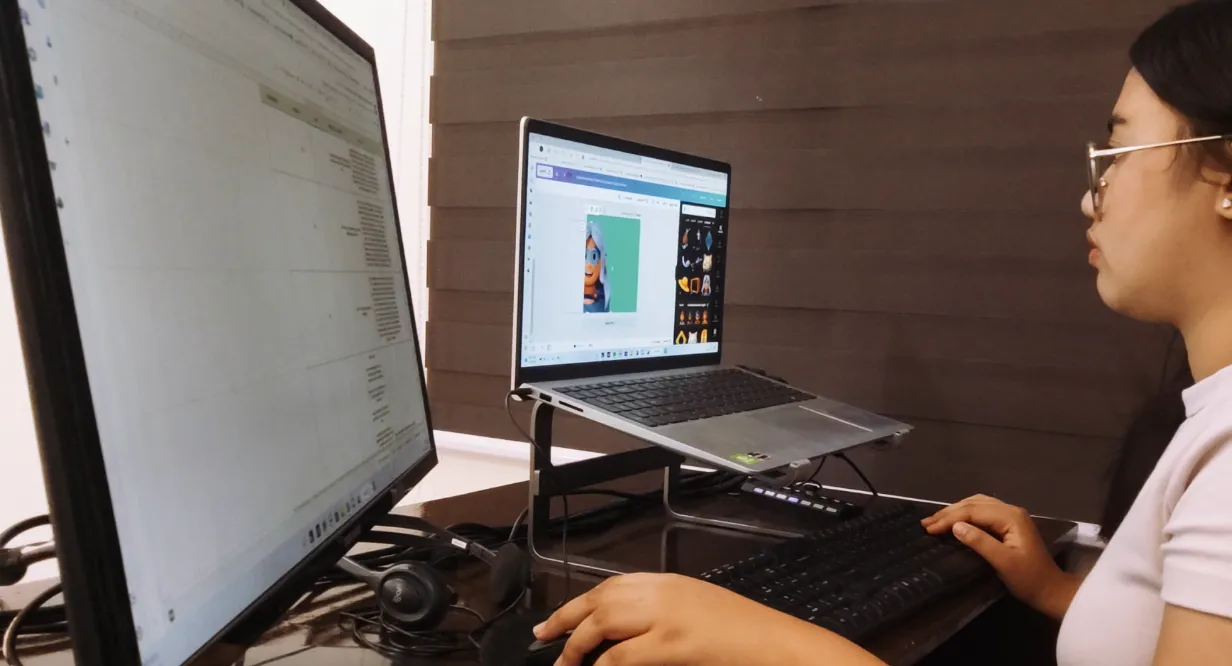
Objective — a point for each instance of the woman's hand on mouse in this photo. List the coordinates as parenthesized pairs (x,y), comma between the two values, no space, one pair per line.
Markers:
(1007,538)
(669,620)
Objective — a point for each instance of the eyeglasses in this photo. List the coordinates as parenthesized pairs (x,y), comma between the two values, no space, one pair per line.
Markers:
(1100,160)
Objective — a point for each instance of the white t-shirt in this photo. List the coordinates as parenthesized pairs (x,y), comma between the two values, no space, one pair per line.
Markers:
(1174,547)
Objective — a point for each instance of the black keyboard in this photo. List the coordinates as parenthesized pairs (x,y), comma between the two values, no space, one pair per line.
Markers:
(856,577)
(661,401)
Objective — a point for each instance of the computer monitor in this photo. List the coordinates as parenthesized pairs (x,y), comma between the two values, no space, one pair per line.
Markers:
(623,255)
(199,214)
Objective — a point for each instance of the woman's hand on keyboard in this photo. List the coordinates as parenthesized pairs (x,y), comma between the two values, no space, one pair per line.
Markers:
(1007,538)
(670,620)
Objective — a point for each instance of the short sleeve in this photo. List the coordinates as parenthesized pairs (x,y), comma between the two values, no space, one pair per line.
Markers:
(1197,539)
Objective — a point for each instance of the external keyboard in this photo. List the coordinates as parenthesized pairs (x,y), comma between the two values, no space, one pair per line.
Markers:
(661,401)
(856,577)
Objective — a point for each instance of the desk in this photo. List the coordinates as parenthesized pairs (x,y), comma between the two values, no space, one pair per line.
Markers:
(310,637)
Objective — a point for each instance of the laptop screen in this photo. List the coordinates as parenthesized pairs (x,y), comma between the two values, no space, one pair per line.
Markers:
(623,255)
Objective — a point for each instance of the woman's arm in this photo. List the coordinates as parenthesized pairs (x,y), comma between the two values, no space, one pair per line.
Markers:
(1192,637)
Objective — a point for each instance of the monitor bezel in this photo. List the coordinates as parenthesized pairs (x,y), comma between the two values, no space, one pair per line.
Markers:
(79,499)
(523,375)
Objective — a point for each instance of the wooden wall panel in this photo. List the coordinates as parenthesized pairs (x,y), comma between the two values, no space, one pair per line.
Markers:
(777,80)
(842,29)
(470,19)
(905,224)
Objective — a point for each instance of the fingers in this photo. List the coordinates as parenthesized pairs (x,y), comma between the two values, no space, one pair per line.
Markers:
(989,548)
(969,500)
(987,513)
(638,651)
(585,638)
(569,617)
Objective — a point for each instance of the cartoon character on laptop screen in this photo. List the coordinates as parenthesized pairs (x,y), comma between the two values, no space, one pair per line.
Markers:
(595,296)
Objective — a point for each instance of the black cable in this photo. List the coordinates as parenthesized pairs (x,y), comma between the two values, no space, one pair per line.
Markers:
(564,552)
(856,469)
(475,635)
(15,627)
(22,527)
(820,464)
(517,524)
(396,642)
(512,419)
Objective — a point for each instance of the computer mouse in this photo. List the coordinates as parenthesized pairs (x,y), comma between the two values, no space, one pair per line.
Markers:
(545,653)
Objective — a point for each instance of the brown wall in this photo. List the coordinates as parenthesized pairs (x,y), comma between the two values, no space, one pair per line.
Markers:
(905,227)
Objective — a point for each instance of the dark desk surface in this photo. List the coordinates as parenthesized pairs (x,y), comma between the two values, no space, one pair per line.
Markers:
(310,637)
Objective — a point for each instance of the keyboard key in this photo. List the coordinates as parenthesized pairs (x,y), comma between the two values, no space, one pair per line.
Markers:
(694,396)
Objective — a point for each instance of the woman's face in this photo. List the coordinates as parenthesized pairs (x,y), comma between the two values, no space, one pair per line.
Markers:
(594,262)
(1160,228)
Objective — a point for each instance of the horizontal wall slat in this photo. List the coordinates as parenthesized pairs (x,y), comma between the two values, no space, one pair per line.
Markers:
(844,32)
(885,281)
(1022,467)
(1058,125)
(986,179)
(470,19)
(775,80)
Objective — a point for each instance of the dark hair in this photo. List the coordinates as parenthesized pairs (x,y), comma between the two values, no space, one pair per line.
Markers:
(1186,59)
(1150,432)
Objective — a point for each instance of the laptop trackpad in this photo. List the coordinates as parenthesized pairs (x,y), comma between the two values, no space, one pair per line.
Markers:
(799,433)
(812,423)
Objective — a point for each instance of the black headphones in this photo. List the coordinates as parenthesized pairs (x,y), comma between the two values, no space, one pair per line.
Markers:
(415,594)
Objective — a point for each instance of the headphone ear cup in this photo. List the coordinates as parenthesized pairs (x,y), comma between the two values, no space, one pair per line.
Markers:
(509,575)
(414,595)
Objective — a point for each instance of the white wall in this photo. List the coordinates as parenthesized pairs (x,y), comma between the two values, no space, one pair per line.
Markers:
(21,476)
(399,31)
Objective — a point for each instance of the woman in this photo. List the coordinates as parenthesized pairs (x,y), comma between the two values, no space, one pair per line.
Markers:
(1161,593)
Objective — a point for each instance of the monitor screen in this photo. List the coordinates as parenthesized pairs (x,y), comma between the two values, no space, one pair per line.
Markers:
(229,225)
(624,255)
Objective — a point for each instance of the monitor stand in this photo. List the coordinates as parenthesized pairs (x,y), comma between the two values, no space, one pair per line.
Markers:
(548,481)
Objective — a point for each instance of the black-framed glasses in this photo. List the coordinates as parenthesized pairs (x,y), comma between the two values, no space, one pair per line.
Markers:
(1099,160)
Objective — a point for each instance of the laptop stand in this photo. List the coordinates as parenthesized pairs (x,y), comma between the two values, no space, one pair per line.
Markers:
(548,481)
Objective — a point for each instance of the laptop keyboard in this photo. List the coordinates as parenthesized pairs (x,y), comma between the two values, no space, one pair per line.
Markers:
(661,401)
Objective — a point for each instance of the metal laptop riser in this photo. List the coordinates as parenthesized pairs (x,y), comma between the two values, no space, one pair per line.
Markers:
(548,481)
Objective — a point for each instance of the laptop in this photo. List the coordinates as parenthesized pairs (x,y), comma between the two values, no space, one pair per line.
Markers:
(619,307)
